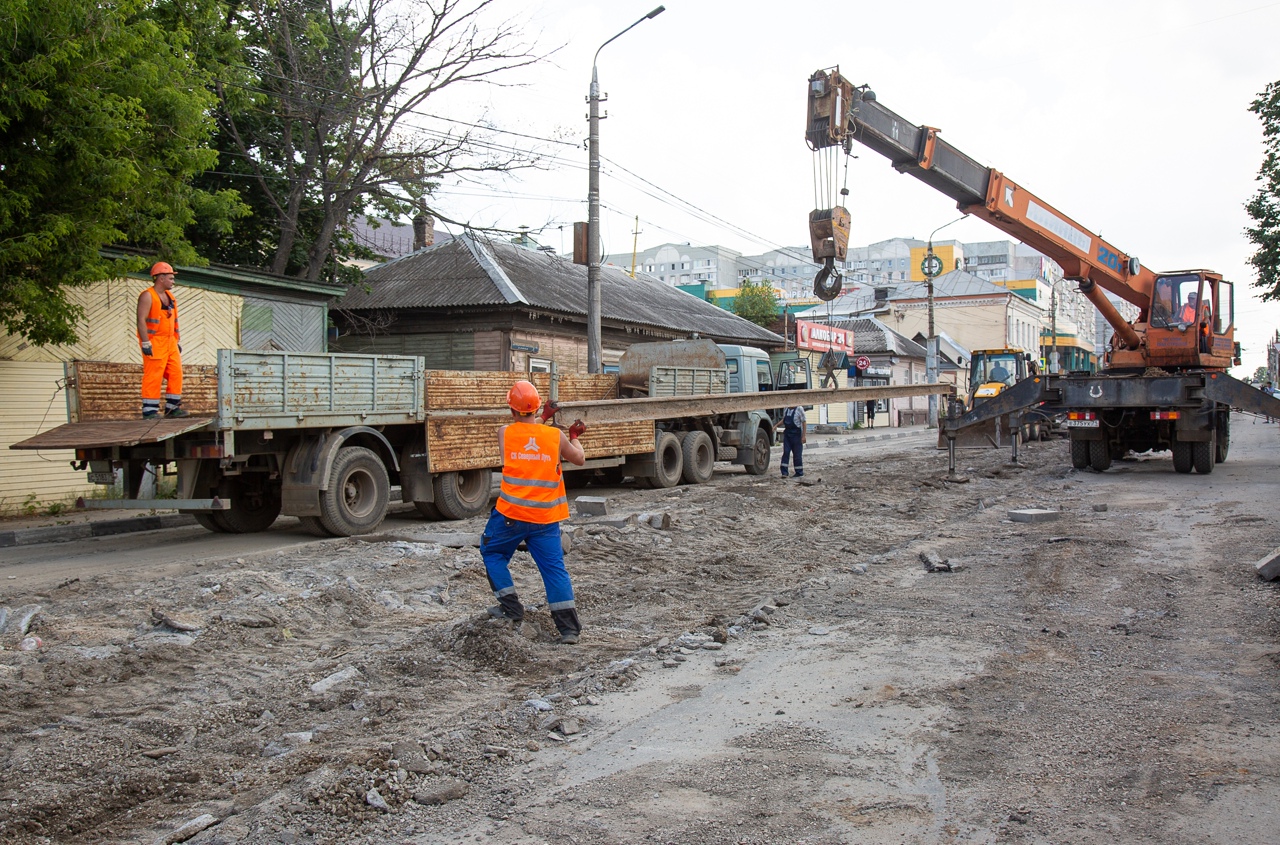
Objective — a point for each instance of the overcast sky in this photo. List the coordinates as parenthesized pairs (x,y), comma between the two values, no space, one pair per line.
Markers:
(1130,117)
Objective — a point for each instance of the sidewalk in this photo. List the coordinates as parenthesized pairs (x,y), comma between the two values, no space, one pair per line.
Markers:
(84,524)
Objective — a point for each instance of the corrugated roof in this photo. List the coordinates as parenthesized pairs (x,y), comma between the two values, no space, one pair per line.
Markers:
(871,336)
(456,275)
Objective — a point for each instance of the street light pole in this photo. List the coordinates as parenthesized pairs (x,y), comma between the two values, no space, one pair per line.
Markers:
(932,268)
(594,353)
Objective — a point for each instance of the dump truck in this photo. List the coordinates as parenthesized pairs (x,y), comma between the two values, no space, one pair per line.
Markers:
(327,437)
(1164,383)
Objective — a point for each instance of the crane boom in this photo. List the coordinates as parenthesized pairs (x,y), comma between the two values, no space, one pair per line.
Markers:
(840,112)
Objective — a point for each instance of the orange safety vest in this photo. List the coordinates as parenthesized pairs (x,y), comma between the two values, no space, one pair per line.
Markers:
(160,322)
(532,480)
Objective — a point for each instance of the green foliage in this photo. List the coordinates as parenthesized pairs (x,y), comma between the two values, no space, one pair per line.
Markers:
(103,122)
(1260,376)
(757,302)
(1264,208)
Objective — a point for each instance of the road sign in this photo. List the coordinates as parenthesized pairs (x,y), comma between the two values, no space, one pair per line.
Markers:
(862,362)
(931,266)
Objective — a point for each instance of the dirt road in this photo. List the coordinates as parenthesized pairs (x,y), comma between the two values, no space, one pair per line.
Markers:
(776,665)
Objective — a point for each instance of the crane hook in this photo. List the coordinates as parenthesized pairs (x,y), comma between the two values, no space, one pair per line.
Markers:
(826,285)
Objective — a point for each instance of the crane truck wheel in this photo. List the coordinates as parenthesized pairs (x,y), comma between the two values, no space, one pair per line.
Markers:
(1181,456)
(463,494)
(1202,453)
(1080,454)
(356,501)
(1099,455)
(1224,439)
(699,457)
(761,454)
(668,461)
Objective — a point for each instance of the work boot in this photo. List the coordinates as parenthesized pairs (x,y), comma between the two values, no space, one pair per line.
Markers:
(784,472)
(567,624)
(176,412)
(508,607)
(799,473)
(151,415)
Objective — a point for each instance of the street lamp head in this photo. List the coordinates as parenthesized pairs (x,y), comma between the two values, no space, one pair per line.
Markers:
(655,13)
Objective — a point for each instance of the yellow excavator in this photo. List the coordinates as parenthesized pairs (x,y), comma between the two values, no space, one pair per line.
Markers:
(991,372)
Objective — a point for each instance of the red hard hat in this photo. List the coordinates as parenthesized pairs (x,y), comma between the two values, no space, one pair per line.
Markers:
(523,398)
(161,267)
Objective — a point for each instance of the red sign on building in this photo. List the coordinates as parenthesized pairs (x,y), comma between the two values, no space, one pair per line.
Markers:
(819,338)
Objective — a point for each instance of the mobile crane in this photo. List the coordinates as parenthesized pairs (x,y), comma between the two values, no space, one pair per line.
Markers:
(1164,382)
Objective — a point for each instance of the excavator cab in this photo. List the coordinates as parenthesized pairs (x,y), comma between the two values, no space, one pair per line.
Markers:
(993,370)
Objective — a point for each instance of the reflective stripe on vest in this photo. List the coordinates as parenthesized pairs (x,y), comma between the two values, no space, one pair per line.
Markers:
(532,484)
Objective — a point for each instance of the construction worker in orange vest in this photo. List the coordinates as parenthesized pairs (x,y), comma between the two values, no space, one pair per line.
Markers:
(530,507)
(161,345)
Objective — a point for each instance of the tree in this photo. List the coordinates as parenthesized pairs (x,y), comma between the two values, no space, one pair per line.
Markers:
(757,302)
(314,122)
(103,122)
(1264,208)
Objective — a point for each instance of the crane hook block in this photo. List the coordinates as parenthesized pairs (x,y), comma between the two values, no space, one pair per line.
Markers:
(826,285)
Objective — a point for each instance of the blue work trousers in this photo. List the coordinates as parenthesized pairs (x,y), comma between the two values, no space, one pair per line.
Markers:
(791,442)
(503,534)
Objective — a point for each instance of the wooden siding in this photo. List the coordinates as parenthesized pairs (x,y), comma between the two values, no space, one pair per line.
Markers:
(272,324)
(208,320)
(459,443)
(34,403)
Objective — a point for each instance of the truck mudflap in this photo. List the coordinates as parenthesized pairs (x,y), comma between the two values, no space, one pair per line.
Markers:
(1221,387)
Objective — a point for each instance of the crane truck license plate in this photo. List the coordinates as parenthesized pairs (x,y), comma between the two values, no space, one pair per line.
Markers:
(1081,423)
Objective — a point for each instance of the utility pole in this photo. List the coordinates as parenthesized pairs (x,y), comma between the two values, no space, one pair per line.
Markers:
(635,239)
(931,266)
(594,351)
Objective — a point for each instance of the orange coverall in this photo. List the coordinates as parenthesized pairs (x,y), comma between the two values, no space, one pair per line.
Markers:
(165,361)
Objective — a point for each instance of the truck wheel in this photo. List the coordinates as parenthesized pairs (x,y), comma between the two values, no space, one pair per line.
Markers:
(209,521)
(699,457)
(1099,455)
(1080,454)
(312,525)
(255,504)
(1224,440)
(463,494)
(761,454)
(668,461)
(429,511)
(1181,456)
(1202,456)
(356,501)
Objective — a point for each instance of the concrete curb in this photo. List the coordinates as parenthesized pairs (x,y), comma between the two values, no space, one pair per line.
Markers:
(85,530)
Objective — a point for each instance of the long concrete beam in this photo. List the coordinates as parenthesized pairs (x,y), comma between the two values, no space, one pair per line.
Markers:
(603,411)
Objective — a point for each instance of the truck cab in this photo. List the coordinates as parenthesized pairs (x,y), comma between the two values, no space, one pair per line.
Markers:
(751,370)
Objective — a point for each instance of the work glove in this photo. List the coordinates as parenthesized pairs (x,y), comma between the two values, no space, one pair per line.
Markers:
(575,430)
(146,349)
(549,410)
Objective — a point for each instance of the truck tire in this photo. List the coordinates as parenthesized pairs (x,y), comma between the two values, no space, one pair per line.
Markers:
(1181,456)
(761,454)
(313,526)
(356,501)
(1080,454)
(428,511)
(1099,455)
(209,521)
(668,461)
(699,457)
(1224,440)
(1202,456)
(463,494)
(255,504)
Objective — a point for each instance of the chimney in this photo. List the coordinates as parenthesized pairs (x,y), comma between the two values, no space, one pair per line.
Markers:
(424,231)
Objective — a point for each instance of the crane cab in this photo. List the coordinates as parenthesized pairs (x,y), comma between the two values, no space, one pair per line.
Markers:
(1191,321)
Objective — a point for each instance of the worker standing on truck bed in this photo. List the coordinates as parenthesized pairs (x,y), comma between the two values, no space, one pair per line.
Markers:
(161,345)
(530,508)
(794,436)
